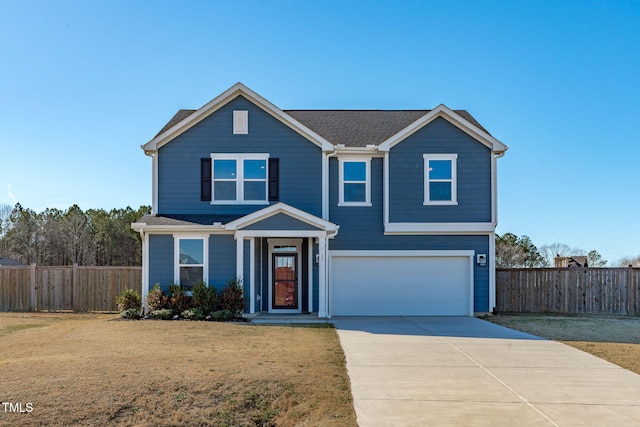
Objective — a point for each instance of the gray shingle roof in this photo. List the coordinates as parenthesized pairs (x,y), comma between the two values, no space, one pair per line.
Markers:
(353,128)
(10,262)
(178,219)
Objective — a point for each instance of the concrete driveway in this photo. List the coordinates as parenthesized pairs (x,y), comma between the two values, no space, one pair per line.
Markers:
(462,371)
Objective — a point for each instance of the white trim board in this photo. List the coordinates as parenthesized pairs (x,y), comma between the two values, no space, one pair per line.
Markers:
(469,254)
(452,117)
(221,100)
(283,208)
(298,244)
(439,228)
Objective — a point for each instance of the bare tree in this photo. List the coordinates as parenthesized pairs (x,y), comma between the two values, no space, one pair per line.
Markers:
(627,261)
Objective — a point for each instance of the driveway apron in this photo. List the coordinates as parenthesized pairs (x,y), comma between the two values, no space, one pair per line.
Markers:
(463,371)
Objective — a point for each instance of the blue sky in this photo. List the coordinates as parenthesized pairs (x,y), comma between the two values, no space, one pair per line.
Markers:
(84,83)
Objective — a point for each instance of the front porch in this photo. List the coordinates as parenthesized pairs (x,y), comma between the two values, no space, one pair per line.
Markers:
(281,258)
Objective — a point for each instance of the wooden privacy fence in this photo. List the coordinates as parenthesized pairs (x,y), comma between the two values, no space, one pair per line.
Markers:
(65,288)
(569,290)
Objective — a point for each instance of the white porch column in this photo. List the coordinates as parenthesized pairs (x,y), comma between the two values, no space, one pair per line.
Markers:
(252,275)
(239,257)
(145,269)
(323,288)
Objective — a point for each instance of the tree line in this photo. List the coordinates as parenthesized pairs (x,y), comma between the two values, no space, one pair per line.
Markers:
(73,236)
(98,237)
(519,252)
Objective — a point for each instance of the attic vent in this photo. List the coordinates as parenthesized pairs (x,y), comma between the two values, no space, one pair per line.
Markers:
(240,122)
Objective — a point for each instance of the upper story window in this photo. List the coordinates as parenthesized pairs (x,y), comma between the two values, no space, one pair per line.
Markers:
(355,182)
(239,178)
(440,179)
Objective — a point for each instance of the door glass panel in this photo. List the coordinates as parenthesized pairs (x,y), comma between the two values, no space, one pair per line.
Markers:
(285,283)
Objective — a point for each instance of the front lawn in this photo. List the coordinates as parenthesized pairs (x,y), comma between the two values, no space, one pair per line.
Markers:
(616,339)
(97,369)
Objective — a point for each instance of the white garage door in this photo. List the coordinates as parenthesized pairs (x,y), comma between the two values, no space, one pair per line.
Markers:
(401,283)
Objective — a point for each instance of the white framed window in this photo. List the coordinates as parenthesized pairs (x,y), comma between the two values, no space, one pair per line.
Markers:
(240,122)
(355,182)
(440,179)
(190,254)
(240,178)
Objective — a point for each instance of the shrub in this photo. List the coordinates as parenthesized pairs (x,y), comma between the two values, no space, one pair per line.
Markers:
(164,314)
(131,313)
(179,301)
(129,299)
(156,299)
(195,313)
(222,315)
(232,298)
(205,297)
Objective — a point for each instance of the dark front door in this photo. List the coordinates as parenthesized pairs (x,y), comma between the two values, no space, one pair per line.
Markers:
(285,281)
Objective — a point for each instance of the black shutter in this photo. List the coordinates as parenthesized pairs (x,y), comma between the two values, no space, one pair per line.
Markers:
(205,179)
(274,180)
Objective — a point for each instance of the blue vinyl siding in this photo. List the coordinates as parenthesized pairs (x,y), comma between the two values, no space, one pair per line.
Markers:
(362,228)
(179,161)
(280,222)
(160,260)
(357,222)
(222,260)
(406,176)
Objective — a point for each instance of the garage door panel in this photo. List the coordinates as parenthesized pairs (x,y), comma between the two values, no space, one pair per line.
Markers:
(400,285)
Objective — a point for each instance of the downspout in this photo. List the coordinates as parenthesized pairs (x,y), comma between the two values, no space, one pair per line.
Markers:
(154,180)
(492,236)
(324,254)
(326,155)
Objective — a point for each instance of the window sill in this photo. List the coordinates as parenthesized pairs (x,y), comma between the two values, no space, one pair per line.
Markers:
(240,202)
(354,204)
(443,203)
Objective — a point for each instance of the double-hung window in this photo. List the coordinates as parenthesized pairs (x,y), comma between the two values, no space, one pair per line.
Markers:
(239,178)
(190,261)
(440,179)
(355,182)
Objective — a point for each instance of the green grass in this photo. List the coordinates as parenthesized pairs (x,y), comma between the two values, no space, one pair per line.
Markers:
(16,328)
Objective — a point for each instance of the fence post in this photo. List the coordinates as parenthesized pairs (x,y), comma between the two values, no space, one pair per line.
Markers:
(33,300)
(632,309)
(74,284)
